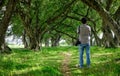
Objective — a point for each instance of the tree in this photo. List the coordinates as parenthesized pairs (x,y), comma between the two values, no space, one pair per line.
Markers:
(37,20)
(106,17)
(5,23)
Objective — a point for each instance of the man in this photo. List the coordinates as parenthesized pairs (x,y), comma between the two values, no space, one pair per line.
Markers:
(84,36)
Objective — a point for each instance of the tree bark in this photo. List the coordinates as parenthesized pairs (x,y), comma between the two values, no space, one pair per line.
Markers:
(34,43)
(25,40)
(5,22)
(108,38)
(116,16)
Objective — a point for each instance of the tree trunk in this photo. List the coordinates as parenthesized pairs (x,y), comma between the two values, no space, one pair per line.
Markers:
(47,42)
(25,40)
(55,40)
(33,39)
(34,42)
(5,22)
(108,39)
(117,18)
(97,39)
(32,31)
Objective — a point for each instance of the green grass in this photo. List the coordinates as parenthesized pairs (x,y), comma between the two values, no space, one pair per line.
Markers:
(48,62)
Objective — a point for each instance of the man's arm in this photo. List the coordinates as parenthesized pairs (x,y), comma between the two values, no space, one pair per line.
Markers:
(78,29)
(89,30)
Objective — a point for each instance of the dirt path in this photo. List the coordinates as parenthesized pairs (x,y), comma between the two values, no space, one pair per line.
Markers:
(65,64)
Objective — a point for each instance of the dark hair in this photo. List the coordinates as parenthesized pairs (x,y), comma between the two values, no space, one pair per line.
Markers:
(83,20)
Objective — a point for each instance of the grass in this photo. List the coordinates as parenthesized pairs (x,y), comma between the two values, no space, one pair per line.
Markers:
(48,62)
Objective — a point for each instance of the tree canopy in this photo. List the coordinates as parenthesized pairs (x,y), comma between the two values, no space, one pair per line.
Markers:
(48,22)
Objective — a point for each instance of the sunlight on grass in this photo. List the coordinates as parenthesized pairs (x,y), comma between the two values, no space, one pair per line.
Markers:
(16,46)
(102,54)
(26,70)
(48,62)
(102,62)
(78,71)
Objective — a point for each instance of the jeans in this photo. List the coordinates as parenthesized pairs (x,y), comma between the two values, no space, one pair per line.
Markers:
(81,49)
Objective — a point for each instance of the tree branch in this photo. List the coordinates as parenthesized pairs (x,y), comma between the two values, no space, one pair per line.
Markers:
(105,16)
(108,4)
(65,34)
(60,12)
(75,18)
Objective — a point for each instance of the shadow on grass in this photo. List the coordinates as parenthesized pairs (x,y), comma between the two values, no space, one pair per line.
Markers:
(103,63)
(44,71)
(111,68)
(18,50)
(7,66)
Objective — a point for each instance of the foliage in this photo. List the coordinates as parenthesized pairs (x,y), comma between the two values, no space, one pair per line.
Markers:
(44,19)
(48,62)
(17,26)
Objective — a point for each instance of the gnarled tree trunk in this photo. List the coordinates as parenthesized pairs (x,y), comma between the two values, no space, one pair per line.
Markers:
(5,23)
(108,38)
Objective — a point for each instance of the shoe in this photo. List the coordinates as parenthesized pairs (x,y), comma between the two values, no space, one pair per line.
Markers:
(81,67)
(88,66)
(77,65)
